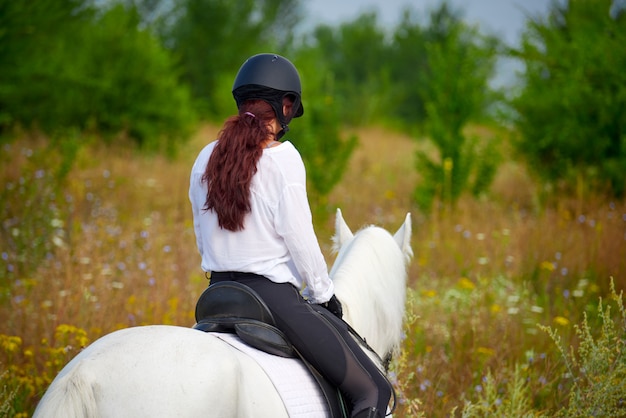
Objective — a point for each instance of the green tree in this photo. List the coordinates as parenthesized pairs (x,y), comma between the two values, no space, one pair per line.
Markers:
(66,65)
(134,84)
(409,73)
(455,64)
(357,55)
(571,112)
(32,56)
(317,134)
(214,37)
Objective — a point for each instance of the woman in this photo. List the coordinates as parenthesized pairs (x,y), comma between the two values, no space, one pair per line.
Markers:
(253,225)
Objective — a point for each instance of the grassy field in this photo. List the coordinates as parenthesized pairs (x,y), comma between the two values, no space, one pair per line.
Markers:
(503,316)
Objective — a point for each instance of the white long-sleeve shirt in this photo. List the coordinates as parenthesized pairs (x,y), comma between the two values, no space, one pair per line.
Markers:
(278,240)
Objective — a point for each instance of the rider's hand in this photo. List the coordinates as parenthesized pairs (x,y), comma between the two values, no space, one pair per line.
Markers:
(334,306)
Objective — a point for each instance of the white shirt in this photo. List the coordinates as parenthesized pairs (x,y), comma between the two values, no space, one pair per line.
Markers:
(278,240)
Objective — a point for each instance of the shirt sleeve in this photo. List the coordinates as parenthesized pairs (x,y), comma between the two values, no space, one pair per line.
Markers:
(197,194)
(197,229)
(294,224)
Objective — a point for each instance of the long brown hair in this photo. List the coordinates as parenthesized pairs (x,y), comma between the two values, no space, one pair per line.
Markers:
(232,164)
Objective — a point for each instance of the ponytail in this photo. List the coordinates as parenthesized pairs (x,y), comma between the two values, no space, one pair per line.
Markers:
(232,164)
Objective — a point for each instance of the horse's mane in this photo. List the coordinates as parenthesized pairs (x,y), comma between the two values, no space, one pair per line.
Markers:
(370,279)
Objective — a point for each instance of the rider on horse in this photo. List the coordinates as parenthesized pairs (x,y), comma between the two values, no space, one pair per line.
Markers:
(253,225)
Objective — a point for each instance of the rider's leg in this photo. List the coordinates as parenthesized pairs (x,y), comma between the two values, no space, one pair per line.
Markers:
(326,343)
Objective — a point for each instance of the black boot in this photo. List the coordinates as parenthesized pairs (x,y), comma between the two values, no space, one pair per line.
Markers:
(369,413)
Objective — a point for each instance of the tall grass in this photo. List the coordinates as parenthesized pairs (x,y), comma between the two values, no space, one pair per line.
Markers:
(486,277)
(111,245)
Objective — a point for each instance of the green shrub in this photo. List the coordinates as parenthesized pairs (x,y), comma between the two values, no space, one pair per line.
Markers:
(596,369)
(509,400)
(64,66)
(317,135)
(570,112)
(595,373)
(7,395)
(459,64)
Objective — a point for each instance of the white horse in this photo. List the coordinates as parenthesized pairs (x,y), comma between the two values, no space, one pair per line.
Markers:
(170,371)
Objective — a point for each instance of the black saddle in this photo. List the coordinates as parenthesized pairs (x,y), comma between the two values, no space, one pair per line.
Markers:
(235,308)
(232,307)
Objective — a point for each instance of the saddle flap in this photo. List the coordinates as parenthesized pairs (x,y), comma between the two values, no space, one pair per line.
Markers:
(265,337)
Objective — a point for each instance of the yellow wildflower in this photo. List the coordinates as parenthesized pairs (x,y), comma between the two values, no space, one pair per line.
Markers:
(10,343)
(465,283)
(485,350)
(560,320)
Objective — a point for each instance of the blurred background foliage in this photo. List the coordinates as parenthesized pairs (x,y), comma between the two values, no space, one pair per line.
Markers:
(571,113)
(150,71)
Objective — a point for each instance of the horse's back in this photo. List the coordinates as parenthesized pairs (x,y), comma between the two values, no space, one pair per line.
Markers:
(161,371)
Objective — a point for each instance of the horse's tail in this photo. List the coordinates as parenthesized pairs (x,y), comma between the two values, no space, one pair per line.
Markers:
(69,396)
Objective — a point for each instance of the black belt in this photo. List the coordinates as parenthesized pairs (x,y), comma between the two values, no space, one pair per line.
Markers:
(234,275)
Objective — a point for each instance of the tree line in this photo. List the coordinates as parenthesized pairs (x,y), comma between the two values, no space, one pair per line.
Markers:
(149,70)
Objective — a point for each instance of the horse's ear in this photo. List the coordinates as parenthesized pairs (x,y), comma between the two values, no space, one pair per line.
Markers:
(403,238)
(342,232)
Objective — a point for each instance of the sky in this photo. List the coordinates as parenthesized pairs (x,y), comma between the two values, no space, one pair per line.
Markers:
(502,18)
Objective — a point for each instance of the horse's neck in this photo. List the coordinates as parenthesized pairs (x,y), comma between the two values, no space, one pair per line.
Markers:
(370,276)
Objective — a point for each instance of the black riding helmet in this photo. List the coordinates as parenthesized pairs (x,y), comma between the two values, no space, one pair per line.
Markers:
(270,77)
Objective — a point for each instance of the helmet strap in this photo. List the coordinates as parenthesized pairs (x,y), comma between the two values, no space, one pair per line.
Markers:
(282,132)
